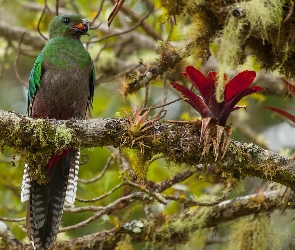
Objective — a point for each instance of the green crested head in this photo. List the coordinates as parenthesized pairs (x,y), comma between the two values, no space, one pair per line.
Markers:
(71,25)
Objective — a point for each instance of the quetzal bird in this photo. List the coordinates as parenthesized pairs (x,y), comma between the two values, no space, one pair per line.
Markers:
(61,87)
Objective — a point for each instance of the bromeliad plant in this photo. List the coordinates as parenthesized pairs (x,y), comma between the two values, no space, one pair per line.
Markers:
(206,104)
(139,124)
(214,132)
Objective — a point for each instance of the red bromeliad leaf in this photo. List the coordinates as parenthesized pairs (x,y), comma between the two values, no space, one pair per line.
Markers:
(239,83)
(290,87)
(194,100)
(229,106)
(200,82)
(283,113)
(248,91)
(210,99)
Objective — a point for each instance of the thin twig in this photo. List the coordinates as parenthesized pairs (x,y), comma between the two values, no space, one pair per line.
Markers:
(162,186)
(99,53)
(162,66)
(83,160)
(156,195)
(123,201)
(40,19)
(149,30)
(200,203)
(102,196)
(155,158)
(290,10)
(83,209)
(16,61)
(163,105)
(126,31)
(100,175)
(115,10)
(98,12)
(56,7)
(12,219)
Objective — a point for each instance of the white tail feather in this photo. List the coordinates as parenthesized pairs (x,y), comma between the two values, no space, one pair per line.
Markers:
(26,185)
(73,178)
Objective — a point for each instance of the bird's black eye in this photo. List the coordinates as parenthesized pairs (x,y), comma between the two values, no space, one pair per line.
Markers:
(66,20)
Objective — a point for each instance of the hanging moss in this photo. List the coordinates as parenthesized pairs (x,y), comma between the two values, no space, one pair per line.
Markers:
(200,32)
(173,7)
(253,233)
(260,30)
(140,165)
(260,19)
(125,243)
(187,231)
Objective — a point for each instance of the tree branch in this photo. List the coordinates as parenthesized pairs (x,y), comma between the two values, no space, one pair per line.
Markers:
(177,142)
(168,59)
(166,230)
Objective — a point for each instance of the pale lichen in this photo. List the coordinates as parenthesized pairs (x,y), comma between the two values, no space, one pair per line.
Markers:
(135,226)
(260,19)
(190,227)
(125,243)
(253,233)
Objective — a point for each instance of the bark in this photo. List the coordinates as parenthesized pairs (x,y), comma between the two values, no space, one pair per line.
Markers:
(165,230)
(177,142)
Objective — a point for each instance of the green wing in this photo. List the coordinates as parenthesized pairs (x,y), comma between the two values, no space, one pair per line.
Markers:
(35,78)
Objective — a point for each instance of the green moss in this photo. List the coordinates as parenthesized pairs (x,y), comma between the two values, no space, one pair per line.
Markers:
(45,140)
(63,135)
(140,165)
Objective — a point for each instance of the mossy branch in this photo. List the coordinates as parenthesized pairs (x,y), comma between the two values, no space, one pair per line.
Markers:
(167,60)
(177,142)
(176,229)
